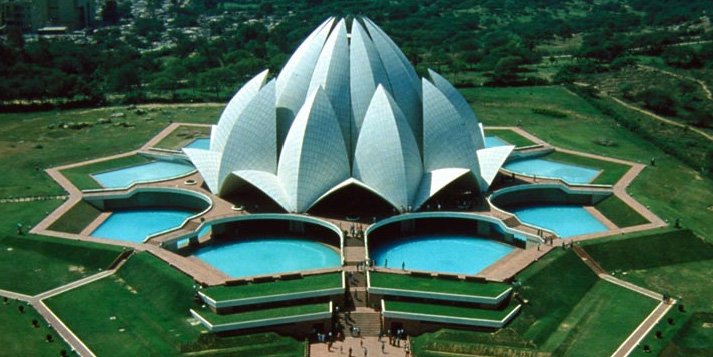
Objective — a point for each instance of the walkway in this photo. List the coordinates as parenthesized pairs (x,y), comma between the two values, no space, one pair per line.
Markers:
(649,322)
(364,346)
(37,301)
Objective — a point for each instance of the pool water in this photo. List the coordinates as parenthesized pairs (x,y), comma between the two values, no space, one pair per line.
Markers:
(457,254)
(547,168)
(493,141)
(200,143)
(134,225)
(151,171)
(565,220)
(268,255)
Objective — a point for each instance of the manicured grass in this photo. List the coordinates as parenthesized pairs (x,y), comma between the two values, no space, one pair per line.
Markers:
(77,218)
(183,135)
(671,189)
(602,320)
(144,310)
(80,176)
(262,314)
(141,310)
(619,212)
(418,283)
(553,286)
(20,338)
(611,172)
(649,250)
(33,264)
(307,283)
(510,136)
(448,310)
(32,142)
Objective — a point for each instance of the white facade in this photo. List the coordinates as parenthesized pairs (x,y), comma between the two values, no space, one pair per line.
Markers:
(347,109)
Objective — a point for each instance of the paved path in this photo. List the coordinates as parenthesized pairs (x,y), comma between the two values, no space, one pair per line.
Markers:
(643,329)
(649,322)
(372,344)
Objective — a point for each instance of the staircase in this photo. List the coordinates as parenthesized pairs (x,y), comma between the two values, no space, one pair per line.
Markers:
(368,321)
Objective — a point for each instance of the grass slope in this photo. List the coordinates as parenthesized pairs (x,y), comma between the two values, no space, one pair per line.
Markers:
(183,136)
(619,212)
(130,313)
(32,264)
(77,218)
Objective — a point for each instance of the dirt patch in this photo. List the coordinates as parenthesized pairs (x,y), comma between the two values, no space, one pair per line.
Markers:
(77,269)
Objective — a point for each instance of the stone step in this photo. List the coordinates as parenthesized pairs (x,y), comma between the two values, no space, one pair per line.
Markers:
(369,323)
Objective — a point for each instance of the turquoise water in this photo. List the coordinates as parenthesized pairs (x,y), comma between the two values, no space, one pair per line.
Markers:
(493,141)
(200,143)
(546,168)
(457,254)
(135,225)
(565,220)
(141,173)
(268,255)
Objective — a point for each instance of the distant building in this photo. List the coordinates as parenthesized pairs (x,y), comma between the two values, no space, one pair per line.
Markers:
(33,15)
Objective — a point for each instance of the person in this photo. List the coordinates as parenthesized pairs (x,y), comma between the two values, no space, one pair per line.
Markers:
(403,265)
(383,347)
(386,263)
(365,351)
(350,352)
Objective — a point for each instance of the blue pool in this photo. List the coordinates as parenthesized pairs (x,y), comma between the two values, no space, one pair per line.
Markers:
(200,143)
(151,171)
(457,254)
(268,255)
(547,168)
(493,141)
(134,225)
(565,220)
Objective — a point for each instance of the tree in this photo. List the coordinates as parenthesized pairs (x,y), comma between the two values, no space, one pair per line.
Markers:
(507,70)
(110,12)
(658,100)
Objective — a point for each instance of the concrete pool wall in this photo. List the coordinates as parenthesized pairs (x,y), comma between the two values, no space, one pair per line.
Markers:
(548,193)
(147,197)
(434,222)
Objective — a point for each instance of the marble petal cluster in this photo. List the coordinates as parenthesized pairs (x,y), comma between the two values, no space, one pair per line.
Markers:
(347,109)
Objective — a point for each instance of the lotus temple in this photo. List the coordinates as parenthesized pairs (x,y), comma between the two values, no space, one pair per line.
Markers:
(346,191)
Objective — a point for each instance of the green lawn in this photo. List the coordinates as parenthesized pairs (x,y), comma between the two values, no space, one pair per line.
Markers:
(448,310)
(33,264)
(671,189)
(32,142)
(80,176)
(130,313)
(183,136)
(262,314)
(611,172)
(418,283)
(20,338)
(77,218)
(619,212)
(307,283)
(510,136)
(649,249)
(601,321)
